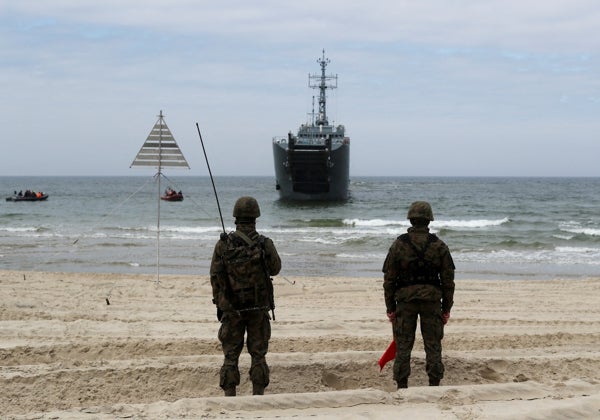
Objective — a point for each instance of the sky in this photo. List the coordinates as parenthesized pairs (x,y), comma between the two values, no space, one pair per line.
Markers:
(425,88)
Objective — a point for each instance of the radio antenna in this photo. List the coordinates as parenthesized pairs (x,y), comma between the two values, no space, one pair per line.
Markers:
(211,179)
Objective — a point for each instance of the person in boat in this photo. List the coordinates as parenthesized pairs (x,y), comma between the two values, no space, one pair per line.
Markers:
(240,271)
(418,282)
(20,193)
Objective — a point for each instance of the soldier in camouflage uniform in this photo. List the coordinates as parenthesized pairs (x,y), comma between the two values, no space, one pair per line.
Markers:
(418,282)
(240,271)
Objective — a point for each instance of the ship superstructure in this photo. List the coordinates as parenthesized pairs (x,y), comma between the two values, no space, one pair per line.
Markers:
(314,164)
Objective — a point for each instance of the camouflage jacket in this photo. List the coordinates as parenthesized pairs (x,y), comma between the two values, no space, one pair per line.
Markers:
(223,293)
(402,255)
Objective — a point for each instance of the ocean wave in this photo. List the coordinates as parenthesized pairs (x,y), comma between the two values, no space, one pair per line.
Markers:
(436,224)
(322,241)
(119,245)
(583,231)
(325,222)
(375,222)
(189,229)
(580,228)
(124,264)
(366,256)
(10,215)
(323,228)
(595,252)
(163,228)
(558,255)
(128,228)
(468,224)
(121,235)
(565,237)
(18,229)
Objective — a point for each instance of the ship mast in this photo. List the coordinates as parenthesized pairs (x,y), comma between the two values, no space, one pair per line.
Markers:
(322,82)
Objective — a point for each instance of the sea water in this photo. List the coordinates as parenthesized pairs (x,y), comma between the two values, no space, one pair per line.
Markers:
(495,227)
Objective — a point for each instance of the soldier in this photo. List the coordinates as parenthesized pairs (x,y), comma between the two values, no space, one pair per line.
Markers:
(240,271)
(418,281)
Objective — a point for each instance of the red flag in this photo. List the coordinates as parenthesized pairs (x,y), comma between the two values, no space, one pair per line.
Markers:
(388,354)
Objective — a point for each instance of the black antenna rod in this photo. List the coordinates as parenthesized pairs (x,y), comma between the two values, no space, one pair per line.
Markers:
(211,178)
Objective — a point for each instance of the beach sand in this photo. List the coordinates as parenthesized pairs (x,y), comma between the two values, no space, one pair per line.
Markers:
(107,346)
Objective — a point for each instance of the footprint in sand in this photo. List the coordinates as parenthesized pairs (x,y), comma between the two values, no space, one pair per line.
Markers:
(489,374)
(337,382)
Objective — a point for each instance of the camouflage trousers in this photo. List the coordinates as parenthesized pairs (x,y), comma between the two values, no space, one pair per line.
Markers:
(256,324)
(432,330)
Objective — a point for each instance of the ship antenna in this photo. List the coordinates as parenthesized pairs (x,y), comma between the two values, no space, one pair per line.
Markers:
(322,82)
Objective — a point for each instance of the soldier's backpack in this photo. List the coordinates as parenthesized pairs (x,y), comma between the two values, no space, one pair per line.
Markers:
(246,270)
(420,270)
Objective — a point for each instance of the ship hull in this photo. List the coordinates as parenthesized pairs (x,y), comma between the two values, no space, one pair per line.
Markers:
(312,173)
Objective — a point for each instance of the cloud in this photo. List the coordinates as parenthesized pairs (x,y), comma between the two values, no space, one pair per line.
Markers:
(509,24)
(462,77)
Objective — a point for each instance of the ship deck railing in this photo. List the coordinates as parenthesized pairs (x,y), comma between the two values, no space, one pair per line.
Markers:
(299,141)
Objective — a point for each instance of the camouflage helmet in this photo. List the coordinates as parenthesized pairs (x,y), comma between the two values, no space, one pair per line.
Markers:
(420,209)
(246,207)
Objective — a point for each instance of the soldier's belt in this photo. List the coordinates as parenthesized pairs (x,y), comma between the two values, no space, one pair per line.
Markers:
(433,281)
(254,308)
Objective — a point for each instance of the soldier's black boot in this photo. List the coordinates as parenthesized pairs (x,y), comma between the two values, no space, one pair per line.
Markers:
(258,389)
(434,382)
(229,392)
(403,383)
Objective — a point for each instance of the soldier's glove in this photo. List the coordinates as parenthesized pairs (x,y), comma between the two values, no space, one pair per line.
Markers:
(445,317)
(219,314)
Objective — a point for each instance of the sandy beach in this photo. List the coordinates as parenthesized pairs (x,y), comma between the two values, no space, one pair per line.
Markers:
(104,346)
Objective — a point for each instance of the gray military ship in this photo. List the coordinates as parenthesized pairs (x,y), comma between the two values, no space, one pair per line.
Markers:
(314,164)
